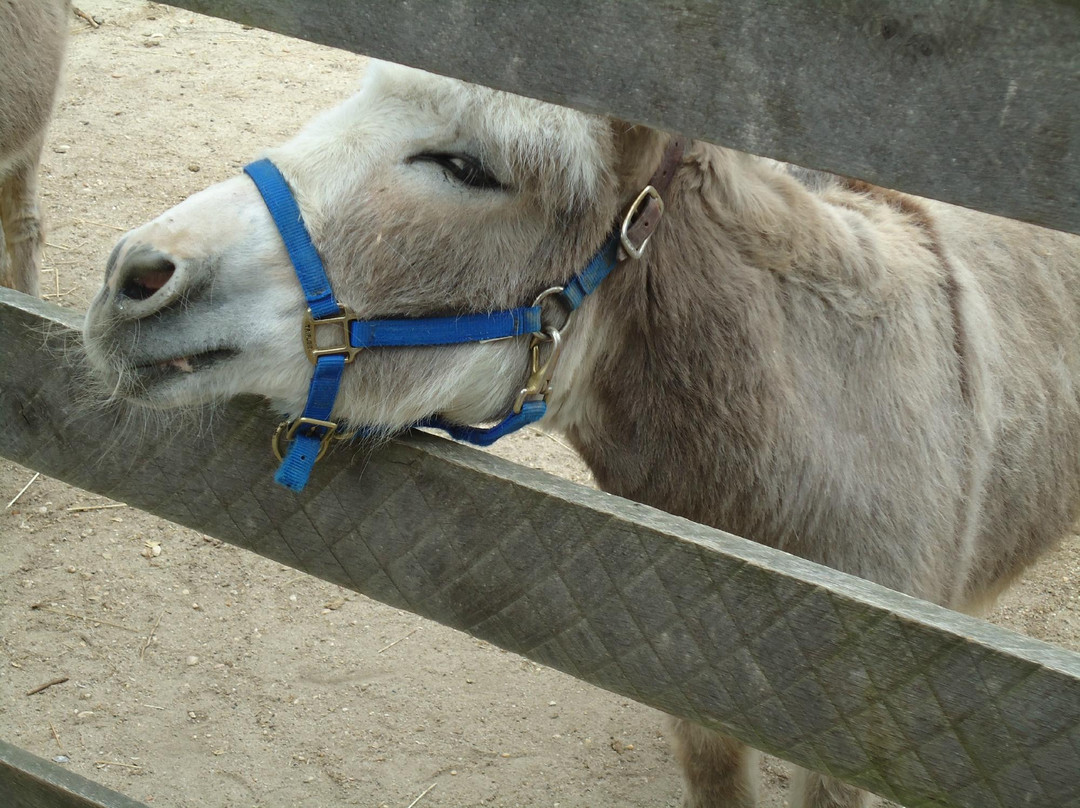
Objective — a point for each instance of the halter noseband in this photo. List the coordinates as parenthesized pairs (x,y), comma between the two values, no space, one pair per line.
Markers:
(308,437)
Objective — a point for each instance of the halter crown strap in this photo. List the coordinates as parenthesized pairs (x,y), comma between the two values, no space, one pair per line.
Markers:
(286,215)
(310,434)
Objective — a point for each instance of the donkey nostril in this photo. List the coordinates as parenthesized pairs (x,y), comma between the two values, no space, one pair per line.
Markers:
(140,287)
(143,273)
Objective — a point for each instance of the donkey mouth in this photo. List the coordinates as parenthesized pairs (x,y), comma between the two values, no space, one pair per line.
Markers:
(150,371)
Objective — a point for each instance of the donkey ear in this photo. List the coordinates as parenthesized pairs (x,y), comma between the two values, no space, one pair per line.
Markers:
(638,150)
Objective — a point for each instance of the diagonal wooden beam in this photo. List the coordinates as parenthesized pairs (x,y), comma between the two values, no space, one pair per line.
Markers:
(967,101)
(914,702)
(27,781)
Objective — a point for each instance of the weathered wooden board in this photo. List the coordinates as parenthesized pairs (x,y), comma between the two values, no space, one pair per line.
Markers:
(969,101)
(909,700)
(27,781)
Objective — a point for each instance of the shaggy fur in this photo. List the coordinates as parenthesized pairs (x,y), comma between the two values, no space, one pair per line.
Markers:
(880,384)
(32,38)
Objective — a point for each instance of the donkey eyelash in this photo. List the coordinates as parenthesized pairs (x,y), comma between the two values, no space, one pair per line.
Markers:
(464,168)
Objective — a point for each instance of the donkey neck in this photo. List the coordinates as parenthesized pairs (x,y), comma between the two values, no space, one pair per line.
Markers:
(670,368)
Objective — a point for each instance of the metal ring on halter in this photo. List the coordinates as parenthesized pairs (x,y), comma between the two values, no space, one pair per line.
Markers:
(556,292)
(287,430)
(340,323)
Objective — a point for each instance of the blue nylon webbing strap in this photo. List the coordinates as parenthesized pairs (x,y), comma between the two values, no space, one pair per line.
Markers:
(286,215)
(531,412)
(308,439)
(295,469)
(585,282)
(302,453)
(445,330)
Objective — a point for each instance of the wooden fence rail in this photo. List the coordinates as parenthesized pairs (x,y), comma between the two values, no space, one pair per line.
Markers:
(27,781)
(916,703)
(968,101)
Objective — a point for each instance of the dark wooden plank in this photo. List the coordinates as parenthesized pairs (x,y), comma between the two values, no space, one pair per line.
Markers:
(968,101)
(909,700)
(27,781)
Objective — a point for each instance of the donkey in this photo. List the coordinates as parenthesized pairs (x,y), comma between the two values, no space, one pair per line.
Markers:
(33,36)
(878,383)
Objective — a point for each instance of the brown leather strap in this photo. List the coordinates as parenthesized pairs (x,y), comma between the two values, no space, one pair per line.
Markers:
(669,163)
(650,208)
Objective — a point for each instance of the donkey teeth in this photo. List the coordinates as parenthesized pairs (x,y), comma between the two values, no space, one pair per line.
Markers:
(182,364)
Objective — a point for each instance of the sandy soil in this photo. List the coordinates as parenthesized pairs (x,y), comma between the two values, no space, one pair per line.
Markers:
(202,675)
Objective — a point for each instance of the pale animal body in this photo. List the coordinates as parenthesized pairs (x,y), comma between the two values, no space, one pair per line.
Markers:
(33,34)
(880,384)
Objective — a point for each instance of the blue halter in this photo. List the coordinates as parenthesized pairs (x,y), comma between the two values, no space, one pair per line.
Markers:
(309,436)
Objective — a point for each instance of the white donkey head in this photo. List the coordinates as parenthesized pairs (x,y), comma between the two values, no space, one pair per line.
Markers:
(424,196)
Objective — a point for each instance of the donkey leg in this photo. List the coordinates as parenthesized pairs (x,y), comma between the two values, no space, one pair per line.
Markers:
(719,772)
(22,228)
(812,790)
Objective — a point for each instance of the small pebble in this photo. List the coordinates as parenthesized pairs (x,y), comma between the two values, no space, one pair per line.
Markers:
(71,569)
(62,149)
(193,660)
(61,759)
(194,168)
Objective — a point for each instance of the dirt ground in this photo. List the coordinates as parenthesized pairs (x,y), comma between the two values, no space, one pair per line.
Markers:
(198,674)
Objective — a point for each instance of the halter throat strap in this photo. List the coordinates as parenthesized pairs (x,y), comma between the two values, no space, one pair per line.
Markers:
(300,443)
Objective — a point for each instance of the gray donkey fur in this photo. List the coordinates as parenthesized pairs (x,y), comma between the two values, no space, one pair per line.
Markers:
(885,385)
(33,34)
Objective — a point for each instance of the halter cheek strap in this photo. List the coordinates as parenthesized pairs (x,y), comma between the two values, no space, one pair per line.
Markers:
(308,437)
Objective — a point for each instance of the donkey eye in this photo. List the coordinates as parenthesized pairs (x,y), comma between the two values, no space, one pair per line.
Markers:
(464,168)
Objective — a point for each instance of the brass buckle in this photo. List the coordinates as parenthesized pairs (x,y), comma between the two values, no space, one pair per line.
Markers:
(310,336)
(538,384)
(287,430)
(628,220)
